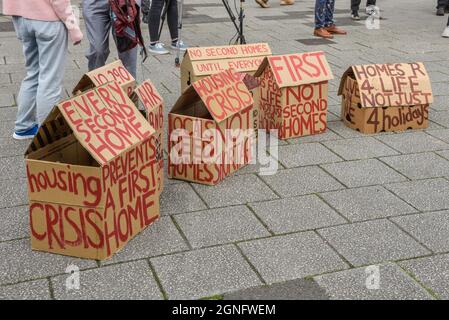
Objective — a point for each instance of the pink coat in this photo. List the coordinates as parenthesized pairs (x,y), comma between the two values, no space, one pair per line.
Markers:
(45,10)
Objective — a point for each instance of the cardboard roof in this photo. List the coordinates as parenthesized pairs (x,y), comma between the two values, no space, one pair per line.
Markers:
(223,94)
(90,115)
(297,69)
(148,95)
(383,78)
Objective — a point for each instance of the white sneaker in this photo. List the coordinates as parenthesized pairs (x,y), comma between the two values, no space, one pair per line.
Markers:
(446,32)
(180,45)
(157,48)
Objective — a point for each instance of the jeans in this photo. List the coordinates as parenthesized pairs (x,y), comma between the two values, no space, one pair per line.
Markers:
(155,19)
(45,48)
(442,3)
(97,16)
(324,13)
(355,4)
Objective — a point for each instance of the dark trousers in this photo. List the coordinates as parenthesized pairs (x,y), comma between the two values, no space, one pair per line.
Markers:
(155,18)
(355,4)
(442,3)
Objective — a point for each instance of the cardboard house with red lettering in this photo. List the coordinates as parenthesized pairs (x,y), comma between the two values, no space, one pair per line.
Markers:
(293,94)
(386,97)
(210,129)
(92,175)
(154,105)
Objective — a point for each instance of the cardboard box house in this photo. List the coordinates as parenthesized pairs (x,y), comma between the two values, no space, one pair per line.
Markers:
(114,71)
(386,97)
(92,175)
(210,129)
(293,94)
(153,104)
(199,63)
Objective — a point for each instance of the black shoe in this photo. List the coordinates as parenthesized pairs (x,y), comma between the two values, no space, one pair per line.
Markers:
(440,12)
(355,16)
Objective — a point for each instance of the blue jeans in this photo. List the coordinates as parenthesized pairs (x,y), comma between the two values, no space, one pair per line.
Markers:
(45,48)
(324,13)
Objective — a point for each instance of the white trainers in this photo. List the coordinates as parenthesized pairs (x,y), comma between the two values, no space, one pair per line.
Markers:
(446,32)
(179,46)
(157,48)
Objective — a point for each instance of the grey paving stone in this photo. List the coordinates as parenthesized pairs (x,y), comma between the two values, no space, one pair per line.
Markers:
(6,99)
(12,168)
(444,153)
(440,103)
(8,114)
(14,223)
(356,284)
(20,263)
(219,226)
(14,193)
(425,195)
(413,142)
(177,198)
(327,135)
(367,203)
(291,256)
(359,148)
(204,273)
(419,165)
(9,147)
(296,214)
(430,228)
(32,290)
(299,289)
(307,154)
(235,190)
(372,242)
(342,130)
(302,181)
(432,272)
(6,129)
(127,281)
(363,173)
(162,237)
(442,134)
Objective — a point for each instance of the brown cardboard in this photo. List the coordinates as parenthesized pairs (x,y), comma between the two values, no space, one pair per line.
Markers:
(293,94)
(219,102)
(114,71)
(154,106)
(92,175)
(386,97)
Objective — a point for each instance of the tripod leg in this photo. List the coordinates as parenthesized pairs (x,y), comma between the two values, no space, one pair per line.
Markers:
(180,16)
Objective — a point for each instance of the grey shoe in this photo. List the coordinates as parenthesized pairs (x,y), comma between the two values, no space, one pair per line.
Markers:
(179,46)
(446,32)
(157,48)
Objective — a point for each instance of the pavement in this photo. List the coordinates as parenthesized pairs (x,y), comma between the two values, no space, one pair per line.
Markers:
(348,216)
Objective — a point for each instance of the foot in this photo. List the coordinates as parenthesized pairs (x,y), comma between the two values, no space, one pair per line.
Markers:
(446,32)
(322,33)
(157,48)
(263,4)
(440,12)
(355,16)
(179,45)
(287,2)
(332,29)
(26,134)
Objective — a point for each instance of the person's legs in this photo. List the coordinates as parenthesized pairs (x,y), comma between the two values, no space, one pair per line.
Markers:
(129,59)
(320,13)
(355,5)
(52,41)
(155,20)
(329,13)
(172,20)
(97,16)
(370,3)
(26,111)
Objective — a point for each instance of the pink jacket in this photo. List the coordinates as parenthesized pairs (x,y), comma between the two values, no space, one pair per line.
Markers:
(45,10)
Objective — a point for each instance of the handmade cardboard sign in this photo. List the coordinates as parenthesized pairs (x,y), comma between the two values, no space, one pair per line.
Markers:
(210,129)
(114,71)
(293,94)
(92,175)
(386,97)
(154,108)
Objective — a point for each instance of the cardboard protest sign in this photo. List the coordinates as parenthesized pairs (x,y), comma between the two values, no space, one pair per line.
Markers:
(293,94)
(210,129)
(114,71)
(92,175)
(386,97)
(154,106)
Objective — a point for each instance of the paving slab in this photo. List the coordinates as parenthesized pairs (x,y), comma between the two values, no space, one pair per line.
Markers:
(15,193)
(204,273)
(14,223)
(31,290)
(292,256)
(359,148)
(413,142)
(372,242)
(300,155)
(178,198)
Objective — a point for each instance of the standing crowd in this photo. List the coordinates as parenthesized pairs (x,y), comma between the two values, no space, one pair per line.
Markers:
(45,31)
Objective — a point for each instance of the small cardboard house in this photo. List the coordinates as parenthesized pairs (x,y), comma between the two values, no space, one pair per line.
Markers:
(154,106)
(114,71)
(386,97)
(293,94)
(92,175)
(210,129)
